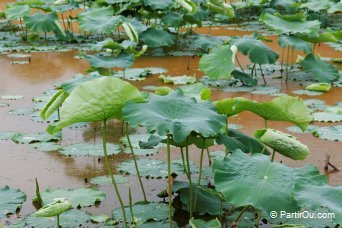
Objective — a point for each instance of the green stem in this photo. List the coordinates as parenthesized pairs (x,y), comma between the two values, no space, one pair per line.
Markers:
(130,204)
(169,179)
(273,154)
(237,60)
(135,162)
(282,60)
(183,161)
(109,169)
(241,213)
(262,74)
(189,177)
(287,63)
(227,132)
(200,173)
(209,157)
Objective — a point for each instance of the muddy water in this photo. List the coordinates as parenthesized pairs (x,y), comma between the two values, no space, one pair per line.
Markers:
(19,164)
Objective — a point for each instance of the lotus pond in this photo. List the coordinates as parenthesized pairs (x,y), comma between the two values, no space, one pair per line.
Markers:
(185,113)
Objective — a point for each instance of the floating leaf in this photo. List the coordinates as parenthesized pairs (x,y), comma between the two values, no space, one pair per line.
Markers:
(219,63)
(46,146)
(175,114)
(87,149)
(142,152)
(333,133)
(307,92)
(21,111)
(199,223)
(99,218)
(10,201)
(197,90)
(145,212)
(26,138)
(256,50)
(296,129)
(235,175)
(8,135)
(12,97)
(81,197)
(295,43)
(320,71)
(327,117)
(106,180)
(320,87)
(150,168)
(284,26)
(285,144)
(315,104)
(3,105)
(72,218)
(159,5)
(155,38)
(97,100)
(178,80)
(121,61)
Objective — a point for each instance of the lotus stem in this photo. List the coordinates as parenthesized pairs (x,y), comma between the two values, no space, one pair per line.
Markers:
(109,169)
(241,213)
(189,177)
(273,154)
(58,224)
(200,173)
(237,60)
(227,132)
(209,160)
(183,161)
(169,178)
(262,75)
(130,204)
(282,61)
(135,163)
(287,64)
(252,70)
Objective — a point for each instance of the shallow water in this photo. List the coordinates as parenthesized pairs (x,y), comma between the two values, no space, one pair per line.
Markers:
(20,164)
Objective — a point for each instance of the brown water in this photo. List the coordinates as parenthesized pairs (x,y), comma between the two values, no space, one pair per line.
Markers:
(20,164)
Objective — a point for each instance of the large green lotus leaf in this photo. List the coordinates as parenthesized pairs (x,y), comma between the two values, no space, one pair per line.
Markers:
(53,104)
(121,61)
(295,43)
(172,19)
(150,168)
(175,114)
(333,133)
(321,37)
(294,27)
(316,6)
(10,201)
(46,146)
(97,100)
(159,5)
(219,63)
(246,79)
(155,38)
(69,85)
(137,140)
(41,22)
(26,138)
(238,140)
(145,212)
(94,12)
(204,42)
(142,152)
(72,218)
(53,209)
(327,117)
(8,135)
(197,90)
(317,196)
(256,181)
(88,149)
(81,197)
(283,143)
(101,24)
(320,71)
(178,80)
(307,92)
(320,87)
(256,50)
(107,180)
(199,223)
(227,106)
(284,108)
(17,11)
(73,5)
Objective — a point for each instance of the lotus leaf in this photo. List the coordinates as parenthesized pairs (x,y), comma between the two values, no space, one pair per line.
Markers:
(12,97)
(55,208)
(256,181)
(256,50)
(155,38)
(307,92)
(87,149)
(26,138)
(295,43)
(321,37)
(142,152)
(317,6)
(204,43)
(152,211)
(21,111)
(320,87)
(219,63)
(199,223)
(54,103)
(17,11)
(151,168)
(176,115)
(283,143)
(297,130)
(72,218)
(81,197)
(333,133)
(121,61)
(8,135)
(3,105)
(10,201)
(172,19)
(197,90)
(99,218)
(73,5)
(315,104)
(321,71)
(46,146)
(294,27)
(163,90)
(96,100)
(106,180)
(246,79)
(327,117)
(318,196)
(178,80)
(40,22)
(159,5)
